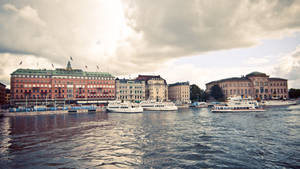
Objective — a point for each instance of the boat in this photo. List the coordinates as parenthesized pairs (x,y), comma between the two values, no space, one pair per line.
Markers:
(199,104)
(238,104)
(158,106)
(124,107)
(271,103)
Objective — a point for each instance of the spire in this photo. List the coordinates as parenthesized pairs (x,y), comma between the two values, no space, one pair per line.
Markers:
(69,67)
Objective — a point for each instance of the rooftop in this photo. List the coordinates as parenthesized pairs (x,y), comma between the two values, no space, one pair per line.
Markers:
(179,83)
(277,78)
(243,78)
(60,72)
(128,80)
(148,77)
(256,74)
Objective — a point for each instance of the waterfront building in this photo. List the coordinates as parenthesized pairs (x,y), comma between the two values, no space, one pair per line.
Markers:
(37,85)
(2,93)
(7,96)
(156,87)
(179,92)
(130,90)
(255,85)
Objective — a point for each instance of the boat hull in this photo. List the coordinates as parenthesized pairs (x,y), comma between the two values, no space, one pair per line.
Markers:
(137,110)
(240,110)
(160,108)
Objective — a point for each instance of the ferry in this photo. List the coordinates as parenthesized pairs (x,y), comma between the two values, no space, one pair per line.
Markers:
(271,103)
(124,107)
(158,106)
(238,104)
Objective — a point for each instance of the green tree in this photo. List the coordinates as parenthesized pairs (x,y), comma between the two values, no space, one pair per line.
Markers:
(217,93)
(294,93)
(197,94)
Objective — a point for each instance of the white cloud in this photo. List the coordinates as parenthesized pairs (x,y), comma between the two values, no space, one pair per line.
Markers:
(289,67)
(136,35)
(256,61)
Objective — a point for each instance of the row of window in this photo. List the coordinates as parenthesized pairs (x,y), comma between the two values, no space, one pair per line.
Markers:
(61,91)
(136,91)
(131,97)
(61,96)
(64,77)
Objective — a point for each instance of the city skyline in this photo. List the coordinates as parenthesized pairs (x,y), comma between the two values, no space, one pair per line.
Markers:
(192,41)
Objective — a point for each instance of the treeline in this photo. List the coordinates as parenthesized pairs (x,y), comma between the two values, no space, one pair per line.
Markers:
(294,93)
(197,94)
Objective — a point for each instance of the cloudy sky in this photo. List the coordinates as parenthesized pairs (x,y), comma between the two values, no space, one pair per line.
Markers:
(196,41)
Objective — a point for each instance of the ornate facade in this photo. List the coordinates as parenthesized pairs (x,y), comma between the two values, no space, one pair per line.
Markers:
(156,87)
(60,84)
(130,90)
(255,85)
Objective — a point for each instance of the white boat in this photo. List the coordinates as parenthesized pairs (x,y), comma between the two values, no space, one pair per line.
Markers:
(158,106)
(270,103)
(238,104)
(124,107)
(199,104)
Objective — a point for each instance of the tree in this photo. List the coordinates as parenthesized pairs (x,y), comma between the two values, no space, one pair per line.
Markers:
(197,94)
(294,93)
(217,93)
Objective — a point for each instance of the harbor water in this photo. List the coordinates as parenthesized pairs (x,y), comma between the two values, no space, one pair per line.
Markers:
(187,138)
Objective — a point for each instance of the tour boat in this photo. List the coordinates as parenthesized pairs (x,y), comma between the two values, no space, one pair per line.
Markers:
(124,107)
(271,103)
(158,106)
(238,104)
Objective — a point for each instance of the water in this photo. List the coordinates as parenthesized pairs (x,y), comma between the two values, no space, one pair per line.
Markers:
(189,138)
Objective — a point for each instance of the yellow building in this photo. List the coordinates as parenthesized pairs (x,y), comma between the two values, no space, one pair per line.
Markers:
(156,87)
(179,92)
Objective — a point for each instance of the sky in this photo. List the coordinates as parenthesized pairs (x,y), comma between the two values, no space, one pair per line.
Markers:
(195,41)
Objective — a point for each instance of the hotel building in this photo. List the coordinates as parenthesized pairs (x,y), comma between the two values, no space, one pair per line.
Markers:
(130,90)
(156,87)
(37,85)
(179,92)
(255,85)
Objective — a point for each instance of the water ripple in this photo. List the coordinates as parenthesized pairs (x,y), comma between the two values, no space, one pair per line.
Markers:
(189,138)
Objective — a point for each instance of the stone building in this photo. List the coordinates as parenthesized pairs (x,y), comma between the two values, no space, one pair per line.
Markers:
(2,93)
(156,87)
(37,85)
(179,92)
(130,90)
(7,96)
(255,85)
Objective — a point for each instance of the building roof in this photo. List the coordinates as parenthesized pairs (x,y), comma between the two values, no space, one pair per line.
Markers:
(59,72)
(149,77)
(2,84)
(178,84)
(128,80)
(276,78)
(230,79)
(256,74)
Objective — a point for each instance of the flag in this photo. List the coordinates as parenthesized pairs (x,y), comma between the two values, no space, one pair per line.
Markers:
(86,66)
(20,63)
(97,67)
(71,58)
(52,65)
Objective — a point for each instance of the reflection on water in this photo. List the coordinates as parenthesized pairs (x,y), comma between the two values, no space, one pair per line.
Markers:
(188,138)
